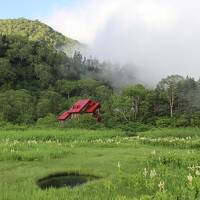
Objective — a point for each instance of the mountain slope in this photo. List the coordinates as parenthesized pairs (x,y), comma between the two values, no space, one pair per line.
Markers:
(35,30)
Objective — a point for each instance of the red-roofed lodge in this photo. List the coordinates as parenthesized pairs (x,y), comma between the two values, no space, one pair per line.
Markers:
(80,107)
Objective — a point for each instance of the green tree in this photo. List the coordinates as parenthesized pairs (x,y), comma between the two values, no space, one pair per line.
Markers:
(188,96)
(7,74)
(66,88)
(121,107)
(103,93)
(168,86)
(43,73)
(137,93)
(17,106)
(87,87)
(49,102)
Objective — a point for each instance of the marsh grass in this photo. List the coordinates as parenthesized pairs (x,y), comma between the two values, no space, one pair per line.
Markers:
(130,167)
(65,135)
(172,132)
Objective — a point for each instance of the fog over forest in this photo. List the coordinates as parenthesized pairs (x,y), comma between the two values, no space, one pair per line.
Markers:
(159,37)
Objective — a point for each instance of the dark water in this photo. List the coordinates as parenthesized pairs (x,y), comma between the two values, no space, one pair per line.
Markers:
(65,180)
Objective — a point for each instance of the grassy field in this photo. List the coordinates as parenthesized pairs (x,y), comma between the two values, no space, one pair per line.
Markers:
(172,132)
(158,164)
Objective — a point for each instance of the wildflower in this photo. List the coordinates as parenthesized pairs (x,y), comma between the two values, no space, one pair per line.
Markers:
(189,177)
(161,185)
(145,172)
(192,168)
(117,142)
(34,142)
(15,142)
(12,150)
(197,172)
(152,173)
(153,152)
(118,165)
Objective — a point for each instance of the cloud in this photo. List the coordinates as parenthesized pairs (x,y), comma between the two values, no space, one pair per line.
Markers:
(83,20)
(160,37)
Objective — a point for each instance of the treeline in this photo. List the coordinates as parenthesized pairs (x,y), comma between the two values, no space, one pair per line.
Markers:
(173,103)
(38,81)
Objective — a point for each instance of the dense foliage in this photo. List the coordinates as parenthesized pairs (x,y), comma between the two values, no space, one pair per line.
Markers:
(37,79)
(36,31)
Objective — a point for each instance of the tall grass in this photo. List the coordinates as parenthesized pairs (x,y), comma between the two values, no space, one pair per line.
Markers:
(172,132)
(59,135)
(129,170)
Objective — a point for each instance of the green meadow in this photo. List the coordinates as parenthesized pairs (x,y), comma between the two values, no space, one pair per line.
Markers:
(147,166)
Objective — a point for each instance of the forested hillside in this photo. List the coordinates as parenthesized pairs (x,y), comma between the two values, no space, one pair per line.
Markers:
(37,31)
(37,81)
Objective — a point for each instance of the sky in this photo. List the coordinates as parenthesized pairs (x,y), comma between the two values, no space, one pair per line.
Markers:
(159,37)
(30,8)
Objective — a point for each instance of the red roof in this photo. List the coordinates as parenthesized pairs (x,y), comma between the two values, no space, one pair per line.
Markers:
(93,108)
(64,116)
(81,106)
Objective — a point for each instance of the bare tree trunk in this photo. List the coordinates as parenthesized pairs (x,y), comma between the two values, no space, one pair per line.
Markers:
(171,110)
(136,105)
(171,103)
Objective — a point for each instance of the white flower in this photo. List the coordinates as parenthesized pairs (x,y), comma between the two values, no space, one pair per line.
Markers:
(152,173)
(190,178)
(145,172)
(197,172)
(161,185)
(153,152)
(192,168)
(118,165)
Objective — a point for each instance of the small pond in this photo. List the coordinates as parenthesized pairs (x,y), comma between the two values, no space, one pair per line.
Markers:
(65,180)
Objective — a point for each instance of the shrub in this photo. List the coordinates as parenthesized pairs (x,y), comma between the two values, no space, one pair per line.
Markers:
(109,121)
(132,128)
(84,121)
(4,125)
(195,120)
(48,121)
(182,121)
(165,122)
